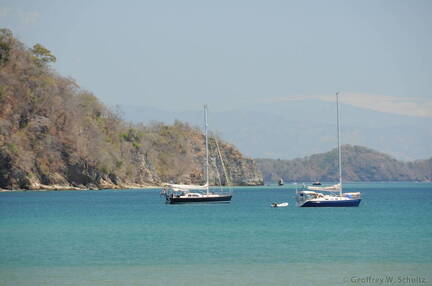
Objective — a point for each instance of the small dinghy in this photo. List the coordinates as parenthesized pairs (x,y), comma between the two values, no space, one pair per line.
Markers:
(280,205)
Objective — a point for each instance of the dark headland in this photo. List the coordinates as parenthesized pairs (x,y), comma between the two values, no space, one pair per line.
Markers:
(55,135)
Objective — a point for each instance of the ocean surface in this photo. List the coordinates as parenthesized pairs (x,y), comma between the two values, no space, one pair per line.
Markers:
(131,237)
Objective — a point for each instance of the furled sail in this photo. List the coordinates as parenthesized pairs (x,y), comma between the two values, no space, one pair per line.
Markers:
(325,189)
(177,187)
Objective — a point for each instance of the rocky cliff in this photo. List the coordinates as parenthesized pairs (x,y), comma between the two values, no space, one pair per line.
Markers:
(55,135)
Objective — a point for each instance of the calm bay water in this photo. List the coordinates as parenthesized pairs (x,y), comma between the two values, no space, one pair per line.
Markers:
(131,237)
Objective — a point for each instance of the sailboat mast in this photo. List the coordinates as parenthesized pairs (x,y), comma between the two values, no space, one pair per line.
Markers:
(206,147)
(339,147)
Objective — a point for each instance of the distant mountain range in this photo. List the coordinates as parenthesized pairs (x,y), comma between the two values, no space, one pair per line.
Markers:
(295,129)
(359,164)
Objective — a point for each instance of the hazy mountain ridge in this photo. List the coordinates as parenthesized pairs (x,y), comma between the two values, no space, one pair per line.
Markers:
(359,164)
(295,129)
(55,135)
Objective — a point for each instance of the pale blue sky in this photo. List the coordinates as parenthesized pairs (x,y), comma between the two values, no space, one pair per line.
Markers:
(180,54)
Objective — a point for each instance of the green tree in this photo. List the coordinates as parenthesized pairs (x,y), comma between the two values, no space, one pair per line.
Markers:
(6,40)
(42,55)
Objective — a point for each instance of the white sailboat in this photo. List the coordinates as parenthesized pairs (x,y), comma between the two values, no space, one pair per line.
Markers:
(330,196)
(176,193)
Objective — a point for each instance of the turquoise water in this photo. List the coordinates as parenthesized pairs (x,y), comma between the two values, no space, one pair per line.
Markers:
(131,237)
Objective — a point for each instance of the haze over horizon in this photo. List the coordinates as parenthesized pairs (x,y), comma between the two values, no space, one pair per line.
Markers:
(247,56)
(289,130)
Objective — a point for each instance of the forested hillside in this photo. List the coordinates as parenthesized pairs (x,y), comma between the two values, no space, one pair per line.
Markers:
(359,164)
(53,134)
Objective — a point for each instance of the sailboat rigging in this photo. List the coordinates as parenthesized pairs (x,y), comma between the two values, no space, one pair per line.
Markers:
(177,193)
(312,196)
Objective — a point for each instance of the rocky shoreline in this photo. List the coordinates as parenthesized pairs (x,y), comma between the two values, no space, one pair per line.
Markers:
(46,188)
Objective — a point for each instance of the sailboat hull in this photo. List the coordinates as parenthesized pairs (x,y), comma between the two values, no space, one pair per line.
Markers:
(212,199)
(331,203)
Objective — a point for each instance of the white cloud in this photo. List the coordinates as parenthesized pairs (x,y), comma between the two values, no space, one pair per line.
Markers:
(419,107)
